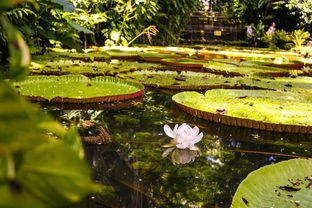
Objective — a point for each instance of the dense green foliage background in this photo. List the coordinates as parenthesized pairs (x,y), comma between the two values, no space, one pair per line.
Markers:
(78,23)
(288,14)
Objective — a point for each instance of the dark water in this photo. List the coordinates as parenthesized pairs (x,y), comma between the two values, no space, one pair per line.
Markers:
(133,164)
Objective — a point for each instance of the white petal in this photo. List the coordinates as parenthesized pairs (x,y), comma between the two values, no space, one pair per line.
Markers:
(168,131)
(175,130)
(195,130)
(194,148)
(182,126)
(198,138)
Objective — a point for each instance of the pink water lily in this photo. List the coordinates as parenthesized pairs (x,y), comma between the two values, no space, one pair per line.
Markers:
(184,136)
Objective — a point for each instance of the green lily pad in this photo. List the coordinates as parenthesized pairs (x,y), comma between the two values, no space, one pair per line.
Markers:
(156,57)
(299,84)
(243,69)
(259,109)
(286,184)
(95,68)
(54,56)
(289,65)
(184,62)
(185,80)
(78,89)
(94,56)
(121,54)
(230,68)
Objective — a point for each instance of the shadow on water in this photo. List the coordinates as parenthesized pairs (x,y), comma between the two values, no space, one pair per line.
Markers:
(133,164)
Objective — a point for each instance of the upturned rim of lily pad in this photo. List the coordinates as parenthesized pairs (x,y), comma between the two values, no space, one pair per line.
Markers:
(284,184)
(241,122)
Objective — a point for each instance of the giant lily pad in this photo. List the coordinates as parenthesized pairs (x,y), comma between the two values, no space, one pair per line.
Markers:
(259,109)
(185,80)
(184,62)
(156,57)
(299,84)
(78,89)
(279,63)
(88,57)
(286,184)
(229,67)
(121,54)
(62,67)
(243,69)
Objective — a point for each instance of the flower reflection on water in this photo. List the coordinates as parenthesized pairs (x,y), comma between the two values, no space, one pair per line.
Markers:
(181,156)
(182,146)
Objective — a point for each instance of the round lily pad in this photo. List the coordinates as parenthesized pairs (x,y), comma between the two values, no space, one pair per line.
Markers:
(259,109)
(184,62)
(299,84)
(156,57)
(95,68)
(185,80)
(88,57)
(121,104)
(78,89)
(121,54)
(233,69)
(229,67)
(287,184)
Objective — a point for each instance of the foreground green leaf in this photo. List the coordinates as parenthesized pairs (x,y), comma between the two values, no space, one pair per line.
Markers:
(55,175)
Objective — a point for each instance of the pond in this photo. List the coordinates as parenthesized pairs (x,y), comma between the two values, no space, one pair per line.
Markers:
(141,177)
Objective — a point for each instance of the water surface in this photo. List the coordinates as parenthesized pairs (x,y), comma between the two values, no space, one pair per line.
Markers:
(133,164)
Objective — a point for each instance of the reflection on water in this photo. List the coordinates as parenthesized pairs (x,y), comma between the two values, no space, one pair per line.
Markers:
(181,156)
(134,164)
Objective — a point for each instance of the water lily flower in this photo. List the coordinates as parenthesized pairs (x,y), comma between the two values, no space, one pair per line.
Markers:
(184,136)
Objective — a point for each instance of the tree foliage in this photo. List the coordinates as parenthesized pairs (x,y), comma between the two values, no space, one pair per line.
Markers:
(121,21)
(283,12)
(304,8)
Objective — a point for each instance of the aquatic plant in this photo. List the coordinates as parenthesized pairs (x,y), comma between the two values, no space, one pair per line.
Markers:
(285,184)
(78,89)
(184,137)
(94,68)
(186,80)
(260,109)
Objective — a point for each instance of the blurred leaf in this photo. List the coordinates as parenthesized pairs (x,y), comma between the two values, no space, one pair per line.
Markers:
(18,121)
(53,127)
(5,168)
(73,140)
(19,199)
(18,50)
(54,174)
